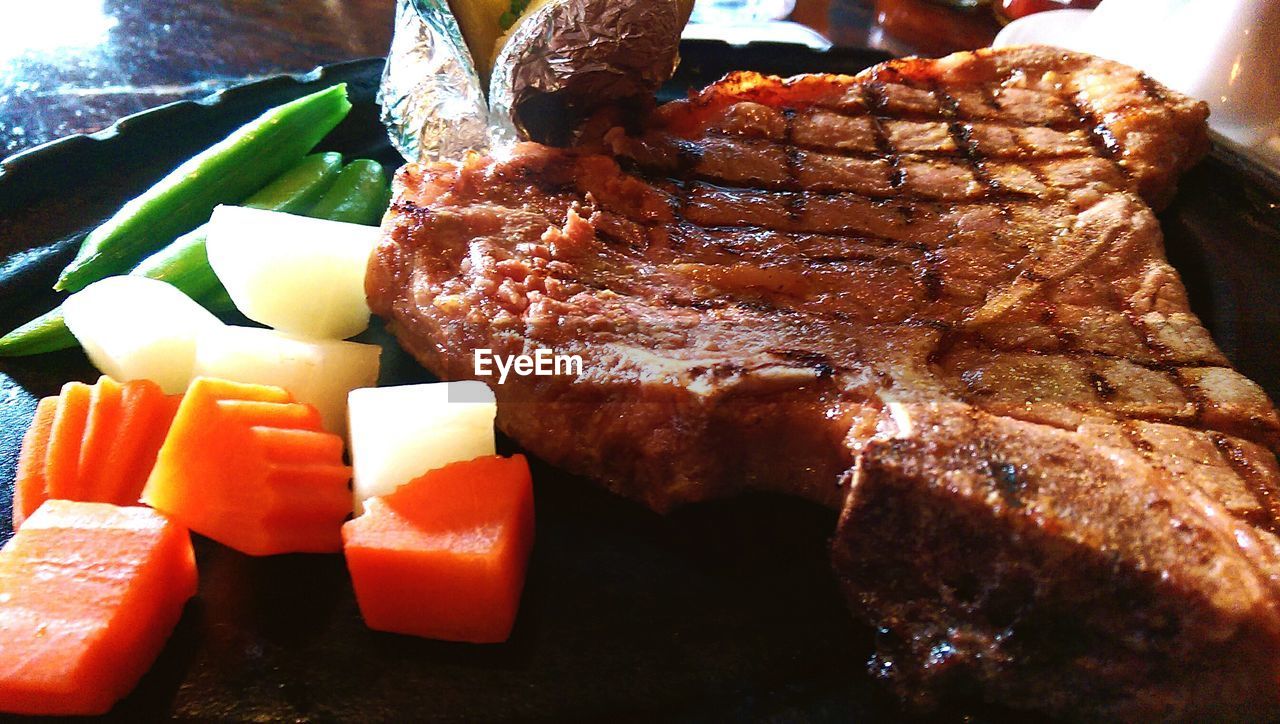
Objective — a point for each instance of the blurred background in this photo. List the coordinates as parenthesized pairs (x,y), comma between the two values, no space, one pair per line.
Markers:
(72,66)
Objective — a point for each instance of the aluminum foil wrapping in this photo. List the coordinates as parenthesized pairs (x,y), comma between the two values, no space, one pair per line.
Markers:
(565,60)
(433,104)
(573,56)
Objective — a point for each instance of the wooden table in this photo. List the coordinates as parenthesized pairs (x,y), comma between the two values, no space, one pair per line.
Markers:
(73,66)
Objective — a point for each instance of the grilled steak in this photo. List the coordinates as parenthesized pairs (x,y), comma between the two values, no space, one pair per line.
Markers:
(933,295)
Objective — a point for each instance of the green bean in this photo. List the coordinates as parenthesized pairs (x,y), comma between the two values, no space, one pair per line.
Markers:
(218,300)
(184,263)
(360,195)
(46,333)
(224,173)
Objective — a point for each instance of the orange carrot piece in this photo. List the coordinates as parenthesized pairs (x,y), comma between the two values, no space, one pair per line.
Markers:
(100,444)
(249,468)
(101,433)
(89,593)
(146,413)
(288,415)
(297,446)
(28,483)
(444,556)
(62,459)
(219,389)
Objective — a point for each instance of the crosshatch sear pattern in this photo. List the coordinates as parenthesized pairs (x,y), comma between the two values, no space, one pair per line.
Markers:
(933,295)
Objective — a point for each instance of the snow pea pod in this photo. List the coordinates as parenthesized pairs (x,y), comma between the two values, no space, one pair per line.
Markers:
(227,172)
(184,262)
(360,195)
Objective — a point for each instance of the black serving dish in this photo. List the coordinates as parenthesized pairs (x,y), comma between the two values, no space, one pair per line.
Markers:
(724,611)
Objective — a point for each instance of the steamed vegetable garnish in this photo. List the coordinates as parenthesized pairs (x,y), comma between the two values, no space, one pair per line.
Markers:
(184,263)
(444,556)
(360,195)
(317,372)
(145,415)
(62,458)
(89,593)
(250,468)
(93,444)
(297,275)
(46,333)
(399,433)
(138,328)
(225,173)
(301,187)
(28,481)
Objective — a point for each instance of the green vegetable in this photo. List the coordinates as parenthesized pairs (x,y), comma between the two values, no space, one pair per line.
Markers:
(46,333)
(184,263)
(360,195)
(218,301)
(509,18)
(224,173)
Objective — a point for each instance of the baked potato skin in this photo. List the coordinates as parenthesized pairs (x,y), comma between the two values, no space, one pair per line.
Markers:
(572,58)
(480,22)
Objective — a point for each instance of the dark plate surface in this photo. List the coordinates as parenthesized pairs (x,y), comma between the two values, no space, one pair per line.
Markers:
(725,611)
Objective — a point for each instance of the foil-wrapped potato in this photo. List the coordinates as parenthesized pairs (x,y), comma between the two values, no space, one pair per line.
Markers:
(563,59)
(487,25)
(521,69)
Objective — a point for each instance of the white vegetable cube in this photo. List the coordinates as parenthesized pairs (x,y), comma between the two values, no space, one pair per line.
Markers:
(399,433)
(137,328)
(318,372)
(294,274)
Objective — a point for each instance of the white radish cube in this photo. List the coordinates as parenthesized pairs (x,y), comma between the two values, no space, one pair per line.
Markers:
(318,372)
(138,328)
(399,433)
(294,274)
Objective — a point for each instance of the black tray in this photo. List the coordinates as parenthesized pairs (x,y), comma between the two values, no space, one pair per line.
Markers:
(724,611)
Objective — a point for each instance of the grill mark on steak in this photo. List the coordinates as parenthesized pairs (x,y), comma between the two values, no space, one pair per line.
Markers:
(985,357)
(1106,391)
(786,199)
(1016,152)
(1099,134)
(1160,366)
(1266,494)
(794,203)
(874,99)
(1064,126)
(793,195)
(1265,516)
(820,363)
(960,133)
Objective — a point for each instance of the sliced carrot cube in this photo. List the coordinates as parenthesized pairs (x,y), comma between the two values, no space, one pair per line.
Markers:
(146,413)
(287,415)
(28,483)
(101,429)
(93,443)
(89,593)
(62,459)
(219,389)
(248,467)
(444,556)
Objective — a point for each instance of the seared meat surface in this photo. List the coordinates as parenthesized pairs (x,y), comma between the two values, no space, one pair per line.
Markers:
(933,295)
